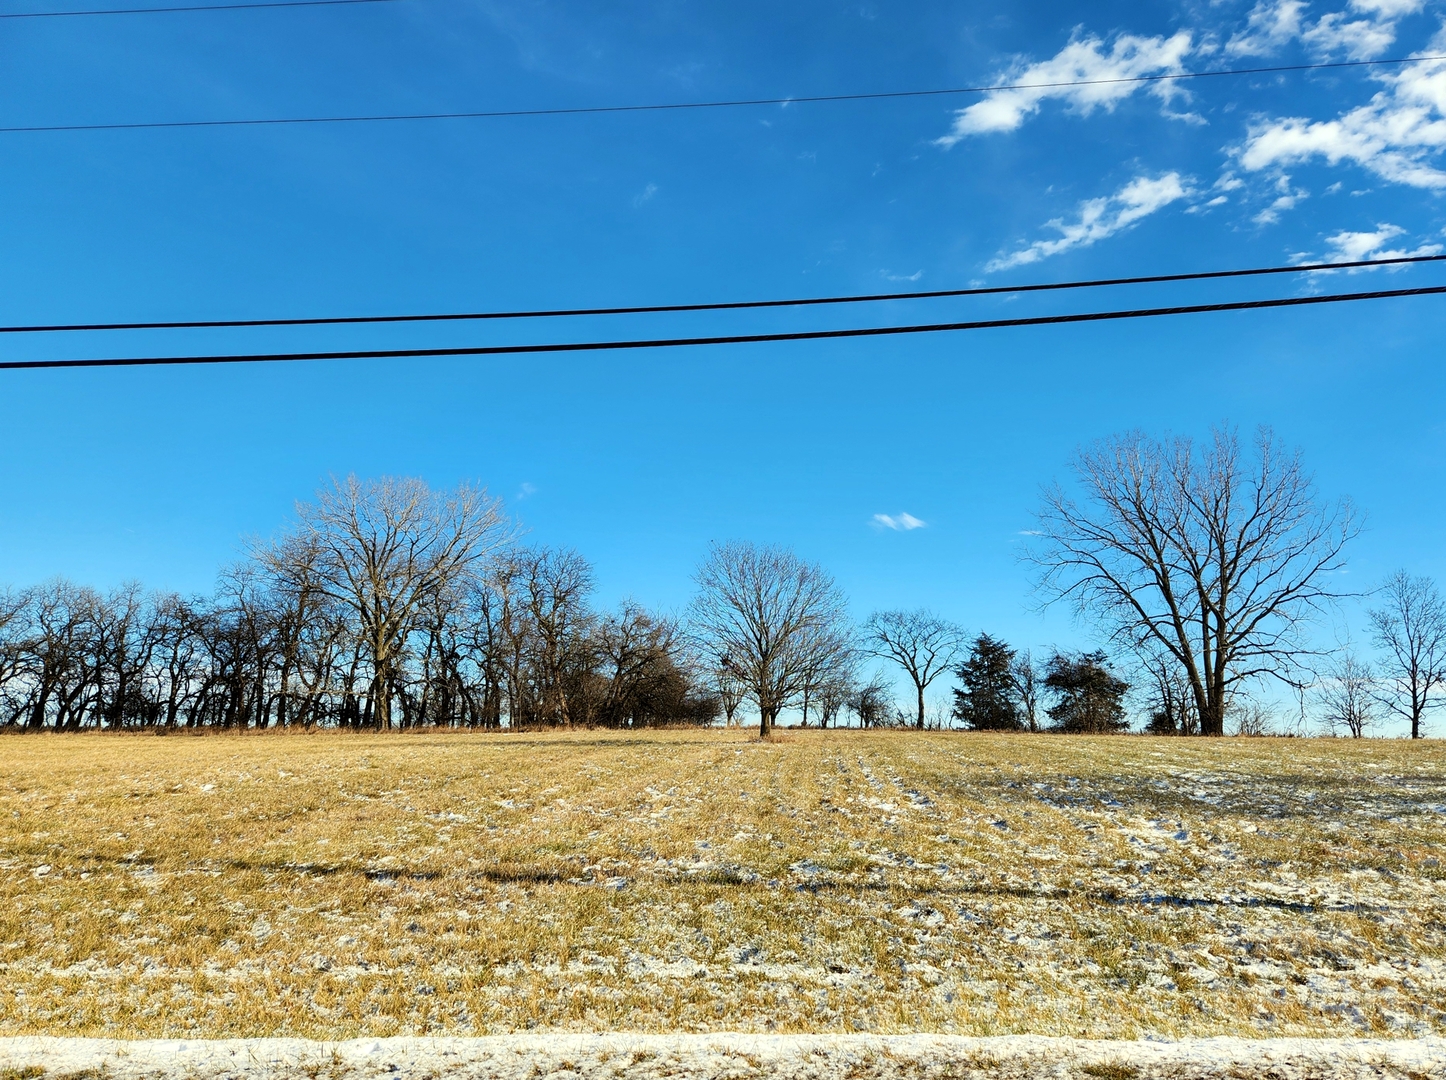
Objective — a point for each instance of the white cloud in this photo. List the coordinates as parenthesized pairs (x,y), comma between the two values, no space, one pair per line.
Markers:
(525,490)
(1394,136)
(643,196)
(898,522)
(1084,58)
(1362,39)
(1275,23)
(1388,9)
(1100,218)
(1271,26)
(1353,246)
(1356,246)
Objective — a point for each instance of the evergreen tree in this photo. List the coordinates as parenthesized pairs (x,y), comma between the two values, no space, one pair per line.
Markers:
(988,699)
(1088,695)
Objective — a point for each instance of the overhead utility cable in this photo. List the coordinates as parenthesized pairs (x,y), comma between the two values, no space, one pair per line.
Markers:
(682,105)
(733,305)
(189,7)
(730,339)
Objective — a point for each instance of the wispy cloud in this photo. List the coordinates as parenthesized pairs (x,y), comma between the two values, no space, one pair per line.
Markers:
(1084,58)
(1395,136)
(1100,218)
(915,276)
(525,491)
(645,195)
(1286,200)
(898,522)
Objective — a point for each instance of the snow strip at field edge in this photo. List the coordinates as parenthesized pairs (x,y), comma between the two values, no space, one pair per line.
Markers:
(645,1057)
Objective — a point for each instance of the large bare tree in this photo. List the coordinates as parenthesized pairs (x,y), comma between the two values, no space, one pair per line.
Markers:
(1215,557)
(385,547)
(920,642)
(1410,629)
(772,619)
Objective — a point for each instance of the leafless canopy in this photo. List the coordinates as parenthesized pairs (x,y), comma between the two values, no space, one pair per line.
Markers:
(1214,559)
(920,642)
(772,619)
(386,548)
(1410,628)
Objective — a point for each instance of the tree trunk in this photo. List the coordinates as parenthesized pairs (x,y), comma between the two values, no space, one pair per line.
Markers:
(920,688)
(381,701)
(1212,718)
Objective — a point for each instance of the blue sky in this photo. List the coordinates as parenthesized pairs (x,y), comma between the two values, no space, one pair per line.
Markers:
(639,460)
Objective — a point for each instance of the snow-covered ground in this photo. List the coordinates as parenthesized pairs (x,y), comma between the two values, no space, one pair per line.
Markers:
(727,1057)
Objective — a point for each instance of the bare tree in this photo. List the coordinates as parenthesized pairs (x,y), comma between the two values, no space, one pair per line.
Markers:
(1026,685)
(920,642)
(832,659)
(1410,628)
(873,702)
(729,689)
(555,584)
(1252,718)
(773,618)
(1217,561)
(1170,702)
(645,676)
(835,694)
(1347,695)
(384,548)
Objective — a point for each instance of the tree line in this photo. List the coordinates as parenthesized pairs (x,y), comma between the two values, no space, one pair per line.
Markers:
(387,604)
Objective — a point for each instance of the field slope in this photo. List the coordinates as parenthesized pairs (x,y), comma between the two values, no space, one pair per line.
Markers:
(333,886)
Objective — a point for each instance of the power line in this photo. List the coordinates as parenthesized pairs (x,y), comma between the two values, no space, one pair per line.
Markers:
(683,105)
(733,305)
(730,339)
(191,7)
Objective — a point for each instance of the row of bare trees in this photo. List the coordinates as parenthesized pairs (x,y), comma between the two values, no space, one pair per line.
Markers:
(1408,630)
(387,605)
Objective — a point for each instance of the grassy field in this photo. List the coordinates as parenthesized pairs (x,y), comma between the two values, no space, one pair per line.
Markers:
(341,885)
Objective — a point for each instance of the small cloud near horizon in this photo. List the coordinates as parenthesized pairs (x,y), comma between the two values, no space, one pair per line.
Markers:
(902,522)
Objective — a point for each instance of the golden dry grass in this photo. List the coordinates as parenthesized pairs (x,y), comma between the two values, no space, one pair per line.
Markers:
(339,885)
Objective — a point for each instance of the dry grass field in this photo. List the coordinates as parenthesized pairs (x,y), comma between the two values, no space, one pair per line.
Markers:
(339,885)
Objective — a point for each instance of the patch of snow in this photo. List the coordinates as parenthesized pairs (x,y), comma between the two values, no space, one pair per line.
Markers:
(695,1057)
